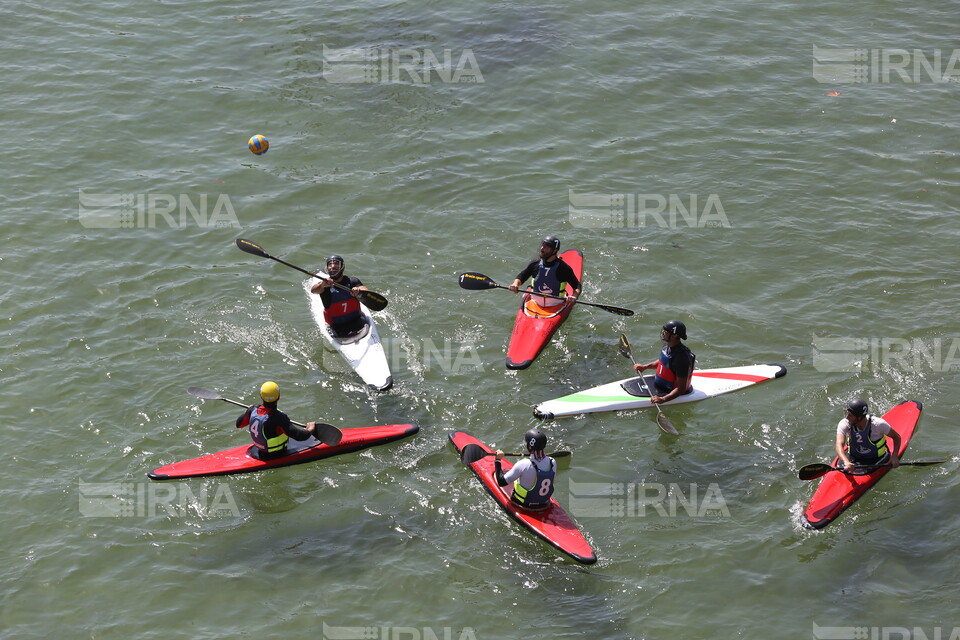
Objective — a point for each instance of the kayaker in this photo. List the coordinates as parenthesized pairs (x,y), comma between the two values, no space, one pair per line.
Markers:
(862,438)
(341,309)
(269,427)
(674,368)
(550,275)
(533,476)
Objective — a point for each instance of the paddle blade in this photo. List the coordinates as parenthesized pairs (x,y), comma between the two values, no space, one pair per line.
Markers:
(814,471)
(625,347)
(249,247)
(327,434)
(206,394)
(923,463)
(620,311)
(473,452)
(374,301)
(665,425)
(476,282)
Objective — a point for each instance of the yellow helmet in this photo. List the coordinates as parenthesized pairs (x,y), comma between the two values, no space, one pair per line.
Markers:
(270,392)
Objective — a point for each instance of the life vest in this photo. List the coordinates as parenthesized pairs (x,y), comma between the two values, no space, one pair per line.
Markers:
(664,378)
(343,307)
(541,491)
(862,449)
(546,281)
(258,418)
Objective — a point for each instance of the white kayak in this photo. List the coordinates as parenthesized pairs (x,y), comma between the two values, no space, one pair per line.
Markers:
(632,393)
(362,351)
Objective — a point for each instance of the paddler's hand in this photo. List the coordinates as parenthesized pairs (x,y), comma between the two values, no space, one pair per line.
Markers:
(499,454)
(312,427)
(894,460)
(637,368)
(514,286)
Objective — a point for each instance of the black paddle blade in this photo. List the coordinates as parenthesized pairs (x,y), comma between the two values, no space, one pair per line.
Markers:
(476,282)
(620,311)
(374,301)
(814,471)
(625,347)
(327,434)
(206,394)
(249,247)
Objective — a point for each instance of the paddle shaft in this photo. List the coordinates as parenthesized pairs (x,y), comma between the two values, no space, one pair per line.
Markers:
(240,404)
(606,307)
(662,420)
(371,298)
(469,280)
(818,469)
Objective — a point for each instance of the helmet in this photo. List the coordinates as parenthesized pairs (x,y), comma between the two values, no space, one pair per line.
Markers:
(269,392)
(338,269)
(857,407)
(676,328)
(535,440)
(551,241)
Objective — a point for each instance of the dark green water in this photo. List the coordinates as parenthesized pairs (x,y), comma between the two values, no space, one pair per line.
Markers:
(797,216)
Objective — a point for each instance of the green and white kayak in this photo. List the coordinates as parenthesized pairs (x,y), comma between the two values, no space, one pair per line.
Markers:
(632,393)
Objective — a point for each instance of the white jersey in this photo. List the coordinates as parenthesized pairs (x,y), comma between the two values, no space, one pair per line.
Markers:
(526,471)
(878,427)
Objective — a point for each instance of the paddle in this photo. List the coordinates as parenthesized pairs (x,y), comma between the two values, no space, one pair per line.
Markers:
(817,469)
(473,452)
(374,301)
(325,433)
(662,420)
(478,282)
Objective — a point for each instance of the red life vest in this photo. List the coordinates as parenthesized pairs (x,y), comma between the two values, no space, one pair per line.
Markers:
(343,307)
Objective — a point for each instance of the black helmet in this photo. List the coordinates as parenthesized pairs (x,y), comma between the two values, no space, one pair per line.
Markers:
(551,241)
(857,407)
(337,270)
(535,440)
(676,328)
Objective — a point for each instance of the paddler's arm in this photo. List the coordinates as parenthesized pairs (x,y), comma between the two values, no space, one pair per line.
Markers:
(498,472)
(840,447)
(297,433)
(244,418)
(894,458)
(523,276)
(321,286)
(571,279)
(680,384)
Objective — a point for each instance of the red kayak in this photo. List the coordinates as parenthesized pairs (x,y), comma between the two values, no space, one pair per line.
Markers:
(552,524)
(243,459)
(838,490)
(531,333)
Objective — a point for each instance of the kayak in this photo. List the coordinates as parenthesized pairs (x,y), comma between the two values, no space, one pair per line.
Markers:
(363,351)
(632,393)
(552,524)
(838,490)
(243,459)
(531,333)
